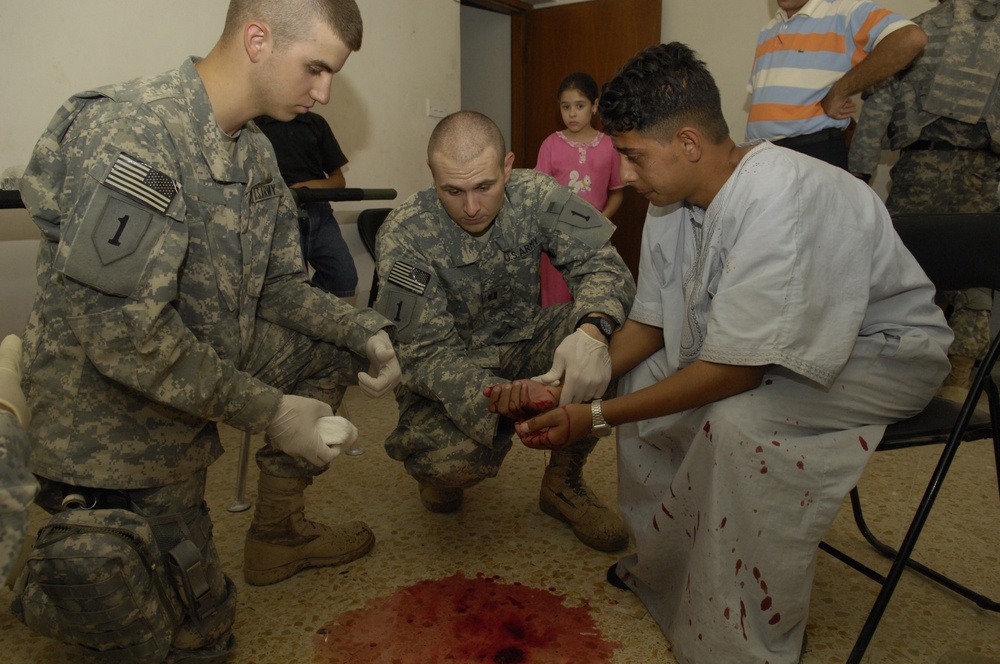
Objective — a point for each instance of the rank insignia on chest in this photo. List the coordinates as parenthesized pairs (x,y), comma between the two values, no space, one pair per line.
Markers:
(409,277)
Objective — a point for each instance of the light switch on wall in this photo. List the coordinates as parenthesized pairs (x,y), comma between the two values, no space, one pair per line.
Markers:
(436,108)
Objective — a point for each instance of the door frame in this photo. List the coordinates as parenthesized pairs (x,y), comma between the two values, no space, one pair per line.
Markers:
(516,10)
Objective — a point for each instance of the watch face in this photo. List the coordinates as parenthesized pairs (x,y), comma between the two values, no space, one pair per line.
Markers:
(602,324)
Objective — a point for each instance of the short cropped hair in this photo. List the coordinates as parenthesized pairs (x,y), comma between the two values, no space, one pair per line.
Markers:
(581,81)
(292,20)
(661,89)
(464,135)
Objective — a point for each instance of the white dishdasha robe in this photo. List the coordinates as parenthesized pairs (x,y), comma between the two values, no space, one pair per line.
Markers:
(794,265)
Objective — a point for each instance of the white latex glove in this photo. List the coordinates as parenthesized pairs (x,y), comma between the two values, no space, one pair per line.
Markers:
(11,395)
(297,430)
(335,432)
(583,364)
(384,372)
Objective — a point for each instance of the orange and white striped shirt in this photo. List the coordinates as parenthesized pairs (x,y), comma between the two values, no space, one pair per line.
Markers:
(798,59)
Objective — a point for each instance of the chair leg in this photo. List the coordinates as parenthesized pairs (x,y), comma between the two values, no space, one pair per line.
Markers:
(980,600)
(902,557)
(239,503)
(993,398)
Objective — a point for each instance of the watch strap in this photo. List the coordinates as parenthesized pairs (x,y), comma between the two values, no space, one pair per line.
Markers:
(603,325)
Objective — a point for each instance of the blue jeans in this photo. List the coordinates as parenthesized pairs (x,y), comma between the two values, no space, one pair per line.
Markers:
(324,248)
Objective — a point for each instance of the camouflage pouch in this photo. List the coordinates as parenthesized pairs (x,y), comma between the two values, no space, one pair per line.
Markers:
(94,580)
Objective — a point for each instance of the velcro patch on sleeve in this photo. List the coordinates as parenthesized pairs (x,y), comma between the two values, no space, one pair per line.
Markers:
(141,182)
(581,214)
(115,238)
(409,277)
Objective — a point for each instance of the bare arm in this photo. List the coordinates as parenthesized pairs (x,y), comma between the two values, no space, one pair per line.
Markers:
(632,344)
(891,55)
(696,385)
(335,180)
(615,197)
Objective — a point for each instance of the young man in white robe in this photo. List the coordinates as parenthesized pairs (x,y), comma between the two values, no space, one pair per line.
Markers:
(779,326)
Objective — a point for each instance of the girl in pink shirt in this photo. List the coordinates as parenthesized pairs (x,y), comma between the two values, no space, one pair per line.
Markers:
(582,158)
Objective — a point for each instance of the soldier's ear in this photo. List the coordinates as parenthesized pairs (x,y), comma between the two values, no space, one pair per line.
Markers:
(256,40)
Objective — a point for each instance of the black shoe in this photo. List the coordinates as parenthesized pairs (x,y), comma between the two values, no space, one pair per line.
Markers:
(615,580)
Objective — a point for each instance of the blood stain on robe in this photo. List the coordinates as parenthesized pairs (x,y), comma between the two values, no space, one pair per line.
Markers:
(457,619)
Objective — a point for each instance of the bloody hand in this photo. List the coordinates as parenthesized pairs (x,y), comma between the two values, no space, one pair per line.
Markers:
(555,429)
(519,399)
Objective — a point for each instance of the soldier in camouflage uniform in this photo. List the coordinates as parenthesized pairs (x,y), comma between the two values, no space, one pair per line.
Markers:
(17,484)
(459,277)
(172,296)
(943,113)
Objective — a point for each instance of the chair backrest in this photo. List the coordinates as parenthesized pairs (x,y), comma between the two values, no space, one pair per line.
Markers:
(957,251)
(369,221)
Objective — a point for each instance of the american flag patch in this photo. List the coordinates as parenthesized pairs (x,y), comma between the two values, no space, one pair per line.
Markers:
(141,182)
(409,277)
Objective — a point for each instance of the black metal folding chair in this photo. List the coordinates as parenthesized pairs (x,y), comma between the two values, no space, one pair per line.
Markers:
(369,221)
(957,251)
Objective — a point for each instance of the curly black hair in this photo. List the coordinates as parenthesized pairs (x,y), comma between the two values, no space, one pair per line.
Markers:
(658,90)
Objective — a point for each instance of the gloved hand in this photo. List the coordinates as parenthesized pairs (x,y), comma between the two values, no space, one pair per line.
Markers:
(583,364)
(335,432)
(384,372)
(299,429)
(11,395)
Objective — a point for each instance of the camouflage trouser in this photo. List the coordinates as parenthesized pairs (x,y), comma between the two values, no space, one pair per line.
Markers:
(433,449)
(186,499)
(296,364)
(964,181)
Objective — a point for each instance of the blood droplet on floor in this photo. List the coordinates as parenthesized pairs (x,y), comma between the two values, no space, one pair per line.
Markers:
(460,620)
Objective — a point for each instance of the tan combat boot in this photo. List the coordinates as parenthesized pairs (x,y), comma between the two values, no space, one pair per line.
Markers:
(564,496)
(281,542)
(956,386)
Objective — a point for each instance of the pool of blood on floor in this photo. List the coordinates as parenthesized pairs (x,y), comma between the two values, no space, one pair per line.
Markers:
(457,619)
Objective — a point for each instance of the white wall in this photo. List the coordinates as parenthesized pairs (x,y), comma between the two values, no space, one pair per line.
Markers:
(50,49)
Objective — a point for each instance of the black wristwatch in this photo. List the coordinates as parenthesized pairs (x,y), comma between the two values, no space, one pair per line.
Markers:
(603,324)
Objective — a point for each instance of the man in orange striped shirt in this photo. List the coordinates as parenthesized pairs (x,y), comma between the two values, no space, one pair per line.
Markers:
(811,59)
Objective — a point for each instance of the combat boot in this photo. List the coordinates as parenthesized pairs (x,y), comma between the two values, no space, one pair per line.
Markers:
(440,499)
(281,542)
(564,496)
(956,385)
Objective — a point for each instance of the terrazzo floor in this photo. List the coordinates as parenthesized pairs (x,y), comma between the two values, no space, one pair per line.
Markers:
(396,605)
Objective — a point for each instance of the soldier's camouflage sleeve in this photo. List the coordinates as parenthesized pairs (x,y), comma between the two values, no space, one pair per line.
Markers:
(578,240)
(123,314)
(869,136)
(17,489)
(290,301)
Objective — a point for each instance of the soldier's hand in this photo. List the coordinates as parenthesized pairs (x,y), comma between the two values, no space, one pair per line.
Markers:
(301,428)
(583,364)
(11,396)
(384,373)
